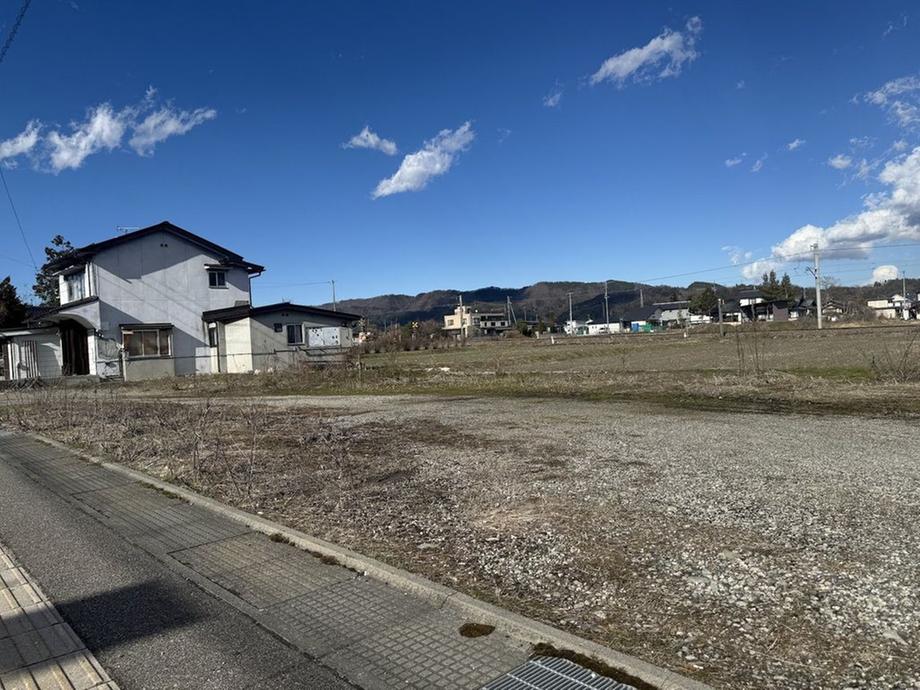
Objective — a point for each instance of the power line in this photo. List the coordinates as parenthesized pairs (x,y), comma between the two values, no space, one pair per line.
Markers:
(799,256)
(22,232)
(16,24)
(3,51)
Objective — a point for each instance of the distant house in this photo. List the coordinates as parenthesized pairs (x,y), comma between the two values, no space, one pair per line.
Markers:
(802,308)
(894,307)
(467,323)
(674,313)
(141,305)
(731,312)
(642,319)
(576,327)
(604,328)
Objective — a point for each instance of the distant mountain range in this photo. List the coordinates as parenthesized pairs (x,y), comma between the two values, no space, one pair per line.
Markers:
(549,300)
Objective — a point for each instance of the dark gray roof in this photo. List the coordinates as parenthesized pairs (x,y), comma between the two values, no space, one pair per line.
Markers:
(242,311)
(227,257)
(641,313)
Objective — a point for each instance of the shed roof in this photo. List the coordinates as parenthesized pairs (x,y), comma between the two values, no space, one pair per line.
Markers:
(244,310)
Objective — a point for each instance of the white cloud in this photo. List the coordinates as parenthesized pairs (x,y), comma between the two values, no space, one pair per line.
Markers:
(758,164)
(795,144)
(899,146)
(887,217)
(840,161)
(103,129)
(663,56)
(900,98)
(22,143)
(736,254)
(164,123)
(882,274)
(751,269)
(755,269)
(895,26)
(435,158)
(366,139)
(865,168)
(554,99)
(737,160)
(741,84)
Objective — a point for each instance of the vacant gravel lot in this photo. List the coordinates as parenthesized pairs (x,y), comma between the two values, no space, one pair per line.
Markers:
(746,550)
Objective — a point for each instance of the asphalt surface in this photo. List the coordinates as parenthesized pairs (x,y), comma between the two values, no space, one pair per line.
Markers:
(148,626)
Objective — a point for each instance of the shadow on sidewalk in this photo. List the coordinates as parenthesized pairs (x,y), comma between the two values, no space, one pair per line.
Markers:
(121,615)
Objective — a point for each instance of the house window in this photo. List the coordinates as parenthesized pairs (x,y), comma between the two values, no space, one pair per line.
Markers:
(147,342)
(294,334)
(217,279)
(279,328)
(212,335)
(74,283)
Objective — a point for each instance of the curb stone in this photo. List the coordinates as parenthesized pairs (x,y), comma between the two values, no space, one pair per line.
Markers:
(520,626)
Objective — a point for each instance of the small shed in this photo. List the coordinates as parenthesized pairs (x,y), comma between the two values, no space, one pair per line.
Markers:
(247,339)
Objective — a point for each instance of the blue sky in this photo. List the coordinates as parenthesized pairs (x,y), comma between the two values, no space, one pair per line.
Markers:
(533,141)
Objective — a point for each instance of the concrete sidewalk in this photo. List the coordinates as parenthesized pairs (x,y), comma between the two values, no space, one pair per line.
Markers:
(370,633)
(38,650)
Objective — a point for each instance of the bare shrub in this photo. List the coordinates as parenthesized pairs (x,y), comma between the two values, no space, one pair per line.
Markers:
(898,366)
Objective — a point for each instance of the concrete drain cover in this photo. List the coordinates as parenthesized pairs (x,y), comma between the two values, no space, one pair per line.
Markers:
(550,673)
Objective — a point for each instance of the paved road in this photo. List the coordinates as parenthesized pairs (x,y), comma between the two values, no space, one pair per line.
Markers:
(148,626)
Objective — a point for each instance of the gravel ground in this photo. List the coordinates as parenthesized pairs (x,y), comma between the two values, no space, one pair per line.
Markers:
(746,550)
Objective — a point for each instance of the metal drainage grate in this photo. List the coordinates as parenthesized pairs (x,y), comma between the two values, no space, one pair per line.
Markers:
(551,673)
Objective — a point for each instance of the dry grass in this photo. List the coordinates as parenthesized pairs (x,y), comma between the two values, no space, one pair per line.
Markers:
(874,371)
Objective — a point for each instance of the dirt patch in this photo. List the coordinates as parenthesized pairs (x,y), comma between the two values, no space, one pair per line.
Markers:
(476,629)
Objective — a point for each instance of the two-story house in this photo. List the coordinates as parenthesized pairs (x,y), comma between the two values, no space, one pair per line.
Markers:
(162,301)
(466,322)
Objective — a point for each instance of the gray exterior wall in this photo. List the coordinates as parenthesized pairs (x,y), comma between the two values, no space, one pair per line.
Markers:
(162,278)
(143,368)
(270,349)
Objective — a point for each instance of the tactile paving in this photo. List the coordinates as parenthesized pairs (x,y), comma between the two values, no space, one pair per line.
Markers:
(427,652)
(334,617)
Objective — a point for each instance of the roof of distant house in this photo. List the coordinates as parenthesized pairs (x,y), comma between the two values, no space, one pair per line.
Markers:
(227,257)
(641,313)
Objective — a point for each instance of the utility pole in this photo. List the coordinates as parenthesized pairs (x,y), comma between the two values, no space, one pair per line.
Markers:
(641,298)
(334,307)
(721,325)
(817,272)
(606,308)
(571,325)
